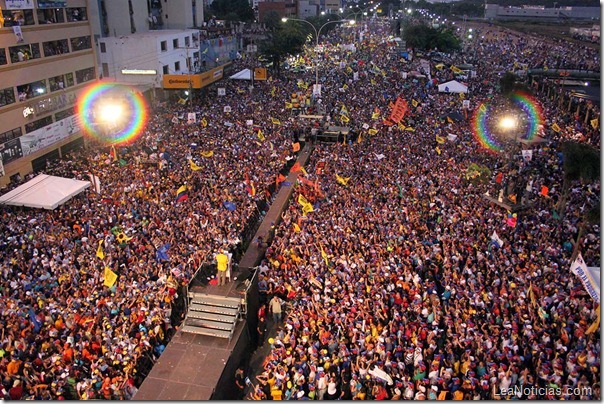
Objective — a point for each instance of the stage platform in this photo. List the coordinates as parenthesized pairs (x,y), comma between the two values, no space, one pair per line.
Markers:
(190,368)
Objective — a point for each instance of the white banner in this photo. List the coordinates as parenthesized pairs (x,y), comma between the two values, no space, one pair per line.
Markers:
(466,104)
(1,169)
(48,135)
(580,269)
(316,89)
(527,155)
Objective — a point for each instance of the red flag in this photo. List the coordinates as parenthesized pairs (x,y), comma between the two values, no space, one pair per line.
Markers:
(296,147)
(296,167)
(544,190)
(499,178)
(280,178)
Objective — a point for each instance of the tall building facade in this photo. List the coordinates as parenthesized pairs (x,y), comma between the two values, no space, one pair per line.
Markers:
(47,58)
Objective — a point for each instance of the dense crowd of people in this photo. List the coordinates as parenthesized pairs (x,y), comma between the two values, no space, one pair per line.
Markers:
(391,286)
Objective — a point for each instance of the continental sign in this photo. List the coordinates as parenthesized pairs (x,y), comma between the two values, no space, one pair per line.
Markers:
(186,81)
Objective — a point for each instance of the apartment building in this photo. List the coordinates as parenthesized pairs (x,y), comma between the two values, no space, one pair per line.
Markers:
(47,58)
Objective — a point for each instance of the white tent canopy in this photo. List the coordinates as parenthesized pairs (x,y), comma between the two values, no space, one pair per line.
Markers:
(245,74)
(44,191)
(452,86)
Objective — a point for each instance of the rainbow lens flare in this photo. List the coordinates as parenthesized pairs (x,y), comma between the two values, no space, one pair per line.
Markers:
(480,128)
(112,113)
(533,111)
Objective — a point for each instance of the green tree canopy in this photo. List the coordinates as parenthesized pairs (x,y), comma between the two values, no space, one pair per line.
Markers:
(226,9)
(283,40)
(423,37)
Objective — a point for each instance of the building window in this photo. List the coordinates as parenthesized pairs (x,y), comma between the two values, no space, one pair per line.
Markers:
(3,59)
(103,47)
(52,48)
(69,80)
(166,70)
(187,41)
(10,134)
(31,90)
(105,70)
(85,75)
(164,46)
(56,83)
(81,43)
(7,96)
(76,14)
(50,15)
(176,66)
(64,114)
(18,17)
(24,52)
(175,43)
(40,123)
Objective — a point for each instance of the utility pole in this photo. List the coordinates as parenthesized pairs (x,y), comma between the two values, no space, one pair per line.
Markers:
(186,48)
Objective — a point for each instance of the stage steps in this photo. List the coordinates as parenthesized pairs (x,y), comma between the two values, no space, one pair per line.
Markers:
(212,315)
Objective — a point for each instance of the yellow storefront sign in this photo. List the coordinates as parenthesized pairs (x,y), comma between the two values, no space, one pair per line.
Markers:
(185,81)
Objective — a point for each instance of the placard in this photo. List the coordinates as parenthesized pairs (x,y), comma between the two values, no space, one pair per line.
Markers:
(221,91)
(227,108)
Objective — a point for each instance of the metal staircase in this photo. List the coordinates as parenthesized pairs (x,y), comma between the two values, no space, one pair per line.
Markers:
(212,315)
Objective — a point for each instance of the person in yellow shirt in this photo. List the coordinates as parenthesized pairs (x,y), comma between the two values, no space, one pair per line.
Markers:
(222,264)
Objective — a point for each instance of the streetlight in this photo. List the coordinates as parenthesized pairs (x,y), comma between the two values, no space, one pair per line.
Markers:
(317,33)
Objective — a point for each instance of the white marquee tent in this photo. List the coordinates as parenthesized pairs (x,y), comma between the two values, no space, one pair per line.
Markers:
(245,74)
(44,191)
(452,86)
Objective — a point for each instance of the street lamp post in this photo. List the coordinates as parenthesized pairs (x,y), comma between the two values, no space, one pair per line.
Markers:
(317,33)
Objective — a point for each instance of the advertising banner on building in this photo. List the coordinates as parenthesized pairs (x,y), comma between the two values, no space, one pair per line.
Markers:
(52,3)
(19,4)
(48,135)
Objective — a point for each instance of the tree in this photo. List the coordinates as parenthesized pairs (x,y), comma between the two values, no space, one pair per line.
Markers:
(423,37)
(224,8)
(280,42)
(581,163)
(590,218)
(507,83)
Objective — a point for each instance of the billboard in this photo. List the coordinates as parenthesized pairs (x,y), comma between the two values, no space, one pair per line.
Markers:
(185,81)
(48,135)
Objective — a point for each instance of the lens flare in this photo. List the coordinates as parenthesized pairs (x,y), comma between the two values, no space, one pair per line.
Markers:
(112,113)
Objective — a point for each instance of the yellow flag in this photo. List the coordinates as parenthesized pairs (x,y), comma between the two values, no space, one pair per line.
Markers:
(275,121)
(344,110)
(303,170)
(110,277)
(482,108)
(288,105)
(440,66)
(324,255)
(182,101)
(194,166)
(296,228)
(209,153)
(556,128)
(348,69)
(440,139)
(99,251)
(360,138)
(409,129)
(401,126)
(302,200)
(594,327)
(273,91)
(414,103)
(122,238)
(449,119)
(204,122)
(437,150)
(372,131)
(261,135)
(462,95)
(373,82)
(342,180)
(456,69)
(594,123)
(307,209)
(344,118)
(345,86)
(375,115)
